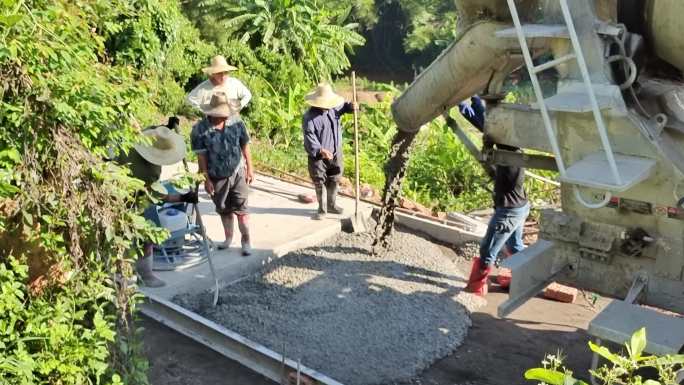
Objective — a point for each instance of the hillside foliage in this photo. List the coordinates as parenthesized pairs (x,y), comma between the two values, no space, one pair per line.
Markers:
(78,78)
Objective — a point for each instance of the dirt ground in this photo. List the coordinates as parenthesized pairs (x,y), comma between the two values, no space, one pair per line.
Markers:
(178,360)
(496,351)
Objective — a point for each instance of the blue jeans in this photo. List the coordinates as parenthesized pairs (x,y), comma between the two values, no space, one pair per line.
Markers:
(505,228)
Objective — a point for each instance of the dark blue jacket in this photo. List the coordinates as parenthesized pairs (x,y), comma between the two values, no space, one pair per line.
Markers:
(322,129)
(509,188)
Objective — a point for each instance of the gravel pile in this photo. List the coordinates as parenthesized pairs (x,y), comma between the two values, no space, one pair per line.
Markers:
(358,318)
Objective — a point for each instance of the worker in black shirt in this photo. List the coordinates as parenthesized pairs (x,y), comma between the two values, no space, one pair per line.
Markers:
(511,209)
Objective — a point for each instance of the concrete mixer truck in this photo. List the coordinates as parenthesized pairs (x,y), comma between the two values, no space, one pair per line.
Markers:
(613,129)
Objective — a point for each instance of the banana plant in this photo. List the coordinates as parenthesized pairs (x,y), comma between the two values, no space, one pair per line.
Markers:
(305,30)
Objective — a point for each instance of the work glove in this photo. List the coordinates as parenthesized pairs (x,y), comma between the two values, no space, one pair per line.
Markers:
(466,110)
(189,197)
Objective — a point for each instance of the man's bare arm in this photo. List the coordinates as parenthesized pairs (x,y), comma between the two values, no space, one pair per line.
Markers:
(247,153)
(203,168)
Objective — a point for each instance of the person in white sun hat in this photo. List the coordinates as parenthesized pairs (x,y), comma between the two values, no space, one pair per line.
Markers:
(323,144)
(219,81)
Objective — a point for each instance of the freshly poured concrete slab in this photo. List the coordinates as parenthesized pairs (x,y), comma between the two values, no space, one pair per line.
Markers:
(357,317)
(280,223)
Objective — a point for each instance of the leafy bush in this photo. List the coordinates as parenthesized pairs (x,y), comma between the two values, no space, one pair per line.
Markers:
(162,45)
(75,79)
(301,29)
(433,26)
(626,369)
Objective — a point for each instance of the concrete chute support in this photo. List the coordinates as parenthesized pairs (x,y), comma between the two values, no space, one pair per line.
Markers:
(626,147)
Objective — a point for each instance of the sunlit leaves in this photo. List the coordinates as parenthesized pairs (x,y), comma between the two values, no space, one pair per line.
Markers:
(637,344)
(70,92)
(10,20)
(301,29)
(619,369)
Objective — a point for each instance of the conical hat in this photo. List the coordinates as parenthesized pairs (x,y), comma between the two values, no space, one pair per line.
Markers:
(324,97)
(218,65)
(221,106)
(167,147)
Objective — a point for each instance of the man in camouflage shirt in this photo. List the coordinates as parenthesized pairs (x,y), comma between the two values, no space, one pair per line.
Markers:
(221,142)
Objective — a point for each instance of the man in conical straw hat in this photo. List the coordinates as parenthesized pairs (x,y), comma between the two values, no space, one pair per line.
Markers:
(323,144)
(219,81)
(145,162)
(221,142)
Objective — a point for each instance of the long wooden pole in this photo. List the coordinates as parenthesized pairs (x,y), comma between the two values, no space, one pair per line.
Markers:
(357,188)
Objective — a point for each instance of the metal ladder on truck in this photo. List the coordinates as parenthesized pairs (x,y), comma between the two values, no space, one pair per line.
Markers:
(603,170)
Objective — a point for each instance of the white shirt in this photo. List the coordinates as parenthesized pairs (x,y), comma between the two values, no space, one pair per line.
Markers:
(234,89)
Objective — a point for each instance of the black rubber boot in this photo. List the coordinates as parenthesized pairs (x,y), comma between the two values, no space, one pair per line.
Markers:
(332,188)
(320,196)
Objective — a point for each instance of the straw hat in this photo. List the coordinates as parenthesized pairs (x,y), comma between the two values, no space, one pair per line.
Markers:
(167,147)
(218,65)
(221,106)
(324,97)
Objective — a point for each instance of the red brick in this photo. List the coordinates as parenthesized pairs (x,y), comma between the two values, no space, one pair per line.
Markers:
(367,191)
(561,293)
(346,190)
(422,209)
(307,198)
(504,278)
(406,204)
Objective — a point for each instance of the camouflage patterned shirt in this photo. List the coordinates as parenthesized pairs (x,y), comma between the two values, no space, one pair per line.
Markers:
(223,148)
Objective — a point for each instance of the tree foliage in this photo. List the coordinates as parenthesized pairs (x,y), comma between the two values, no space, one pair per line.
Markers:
(433,25)
(312,35)
(363,12)
(77,77)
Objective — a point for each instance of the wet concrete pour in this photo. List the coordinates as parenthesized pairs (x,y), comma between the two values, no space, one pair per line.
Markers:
(358,318)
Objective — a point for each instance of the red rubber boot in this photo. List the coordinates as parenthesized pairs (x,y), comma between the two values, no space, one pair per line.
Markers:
(504,278)
(477,283)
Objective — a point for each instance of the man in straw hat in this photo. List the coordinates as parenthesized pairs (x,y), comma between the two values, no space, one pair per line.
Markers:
(323,144)
(219,81)
(221,142)
(145,162)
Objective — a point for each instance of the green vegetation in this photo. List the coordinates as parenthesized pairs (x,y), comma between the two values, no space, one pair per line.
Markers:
(76,79)
(629,369)
(311,35)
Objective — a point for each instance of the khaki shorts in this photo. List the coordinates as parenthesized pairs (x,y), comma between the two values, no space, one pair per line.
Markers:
(230,194)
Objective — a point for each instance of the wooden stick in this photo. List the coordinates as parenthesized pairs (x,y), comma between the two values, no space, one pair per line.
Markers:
(356,149)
